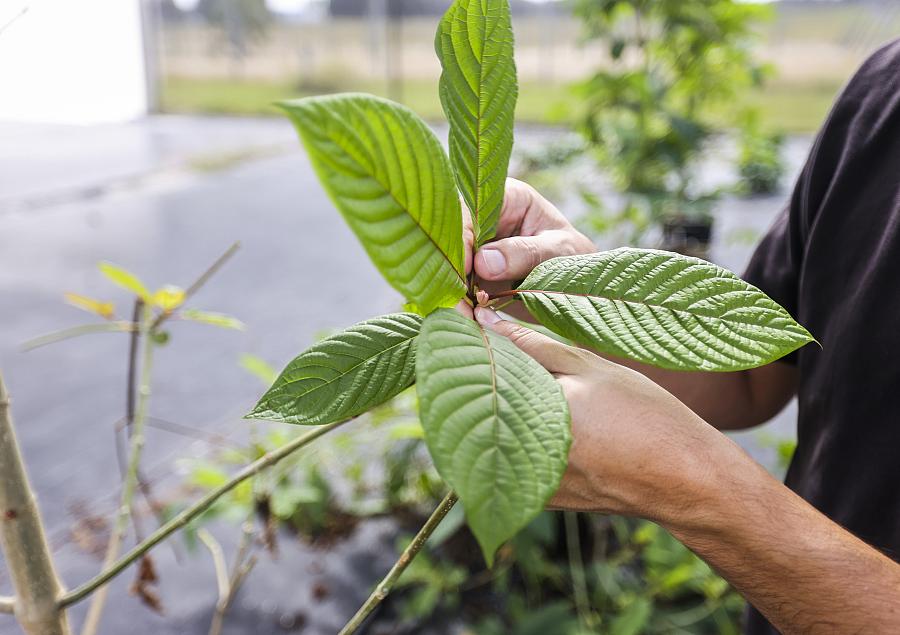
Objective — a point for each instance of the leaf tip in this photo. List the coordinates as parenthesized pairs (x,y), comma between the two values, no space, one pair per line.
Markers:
(257,412)
(488,556)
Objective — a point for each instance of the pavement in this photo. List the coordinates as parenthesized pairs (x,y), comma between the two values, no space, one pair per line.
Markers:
(164,197)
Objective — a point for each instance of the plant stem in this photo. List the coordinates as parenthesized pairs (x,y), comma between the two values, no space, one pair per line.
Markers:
(502,305)
(189,514)
(24,544)
(579,583)
(121,326)
(387,584)
(218,557)
(228,583)
(133,345)
(130,401)
(130,484)
(198,283)
(130,398)
(504,294)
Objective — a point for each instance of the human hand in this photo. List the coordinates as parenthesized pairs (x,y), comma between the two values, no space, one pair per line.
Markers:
(636,449)
(530,230)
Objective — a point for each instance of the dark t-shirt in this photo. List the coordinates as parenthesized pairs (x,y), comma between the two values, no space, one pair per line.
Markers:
(832,259)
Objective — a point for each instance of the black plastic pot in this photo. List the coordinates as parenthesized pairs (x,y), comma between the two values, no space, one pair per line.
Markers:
(690,237)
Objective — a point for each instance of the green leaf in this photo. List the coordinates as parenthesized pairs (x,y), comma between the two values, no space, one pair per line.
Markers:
(106,310)
(125,279)
(478,90)
(214,319)
(346,374)
(496,424)
(661,308)
(388,175)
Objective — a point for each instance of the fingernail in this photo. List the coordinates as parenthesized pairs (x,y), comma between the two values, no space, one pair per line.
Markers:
(487,317)
(494,261)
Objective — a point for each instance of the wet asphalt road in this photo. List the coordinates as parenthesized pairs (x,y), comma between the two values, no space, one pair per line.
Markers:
(164,197)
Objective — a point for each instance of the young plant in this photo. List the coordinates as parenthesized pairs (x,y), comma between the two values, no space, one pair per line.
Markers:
(150,313)
(495,422)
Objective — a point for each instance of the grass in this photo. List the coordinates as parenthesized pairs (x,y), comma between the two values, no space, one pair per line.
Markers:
(794,108)
(538,103)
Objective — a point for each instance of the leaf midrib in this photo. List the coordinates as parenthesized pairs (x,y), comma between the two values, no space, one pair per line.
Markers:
(495,406)
(478,123)
(479,116)
(374,175)
(635,302)
(348,371)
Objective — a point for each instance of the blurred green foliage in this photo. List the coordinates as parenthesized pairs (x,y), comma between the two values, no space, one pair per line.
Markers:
(649,115)
(760,164)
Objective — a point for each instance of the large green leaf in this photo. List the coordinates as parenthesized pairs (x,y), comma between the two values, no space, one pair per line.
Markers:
(388,175)
(478,91)
(346,374)
(496,424)
(661,308)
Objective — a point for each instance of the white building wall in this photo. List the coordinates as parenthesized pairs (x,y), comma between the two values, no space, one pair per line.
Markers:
(72,61)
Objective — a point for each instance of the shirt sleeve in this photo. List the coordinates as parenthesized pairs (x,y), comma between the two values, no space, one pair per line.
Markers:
(778,260)
(856,121)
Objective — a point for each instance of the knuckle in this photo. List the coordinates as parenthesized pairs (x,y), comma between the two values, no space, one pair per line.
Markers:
(518,335)
(529,252)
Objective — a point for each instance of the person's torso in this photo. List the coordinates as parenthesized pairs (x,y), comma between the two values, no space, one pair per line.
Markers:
(847,462)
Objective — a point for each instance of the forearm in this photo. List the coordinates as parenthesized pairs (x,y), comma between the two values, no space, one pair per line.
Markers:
(802,571)
(722,399)
(727,401)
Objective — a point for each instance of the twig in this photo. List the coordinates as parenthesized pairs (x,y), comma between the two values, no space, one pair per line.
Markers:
(198,283)
(194,433)
(130,398)
(131,382)
(189,514)
(130,484)
(387,584)
(7,604)
(24,544)
(218,557)
(228,584)
(120,326)
(153,504)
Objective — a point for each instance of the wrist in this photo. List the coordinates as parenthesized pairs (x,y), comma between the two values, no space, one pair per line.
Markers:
(716,492)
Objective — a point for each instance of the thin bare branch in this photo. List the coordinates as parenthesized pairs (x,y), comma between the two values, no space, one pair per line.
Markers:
(199,282)
(191,432)
(383,588)
(189,514)
(218,558)
(228,584)
(120,326)
(132,475)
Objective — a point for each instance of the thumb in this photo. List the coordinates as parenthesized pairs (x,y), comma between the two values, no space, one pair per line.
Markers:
(513,258)
(555,356)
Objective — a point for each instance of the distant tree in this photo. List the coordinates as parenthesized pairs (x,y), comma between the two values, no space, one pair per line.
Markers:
(353,8)
(240,20)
